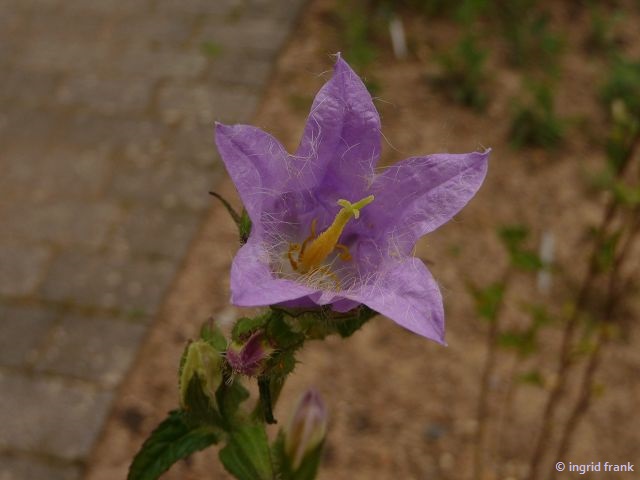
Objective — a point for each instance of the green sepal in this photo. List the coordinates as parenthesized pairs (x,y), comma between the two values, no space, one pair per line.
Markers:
(281,334)
(210,333)
(307,470)
(171,441)
(245,326)
(230,394)
(242,220)
(350,324)
(266,402)
(247,455)
(199,409)
(244,227)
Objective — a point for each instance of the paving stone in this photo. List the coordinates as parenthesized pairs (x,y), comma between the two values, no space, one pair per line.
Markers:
(156,31)
(230,68)
(27,89)
(108,7)
(195,144)
(219,7)
(49,415)
(168,184)
(26,468)
(144,62)
(106,95)
(38,173)
(198,104)
(108,280)
(262,37)
(23,267)
(129,137)
(68,25)
(69,56)
(157,231)
(22,331)
(26,126)
(66,223)
(96,349)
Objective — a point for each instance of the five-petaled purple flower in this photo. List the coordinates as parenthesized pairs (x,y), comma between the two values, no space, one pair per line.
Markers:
(330,230)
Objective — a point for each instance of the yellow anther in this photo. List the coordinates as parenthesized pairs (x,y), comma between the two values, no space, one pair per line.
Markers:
(316,251)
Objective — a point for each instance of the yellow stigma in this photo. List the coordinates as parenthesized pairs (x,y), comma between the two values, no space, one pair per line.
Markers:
(313,254)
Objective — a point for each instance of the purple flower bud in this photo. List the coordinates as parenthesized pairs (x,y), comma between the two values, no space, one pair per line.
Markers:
(248,358)
(307,428)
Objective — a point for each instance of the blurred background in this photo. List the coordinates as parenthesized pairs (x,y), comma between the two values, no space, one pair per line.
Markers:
(112,253)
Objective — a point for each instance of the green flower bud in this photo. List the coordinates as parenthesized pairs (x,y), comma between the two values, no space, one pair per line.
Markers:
(203,360)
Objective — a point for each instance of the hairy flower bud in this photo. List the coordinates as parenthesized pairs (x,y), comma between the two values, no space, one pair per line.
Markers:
(306,429)
(203,360)
(248,358)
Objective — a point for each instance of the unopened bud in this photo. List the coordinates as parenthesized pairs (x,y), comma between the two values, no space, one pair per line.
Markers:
(203,360)
(249,358)
(307,428)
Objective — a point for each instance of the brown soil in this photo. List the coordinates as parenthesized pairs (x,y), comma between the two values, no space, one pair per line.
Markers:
(402,407)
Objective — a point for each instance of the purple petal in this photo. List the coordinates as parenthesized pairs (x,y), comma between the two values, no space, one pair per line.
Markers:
(406,292)
(417,195)
(256,162)
(341,141)
(252,282)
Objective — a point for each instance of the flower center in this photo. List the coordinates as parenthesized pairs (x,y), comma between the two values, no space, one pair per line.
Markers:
(315,249)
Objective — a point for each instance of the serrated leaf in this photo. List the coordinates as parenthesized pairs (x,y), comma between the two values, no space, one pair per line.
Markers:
(247,455)
(171,441)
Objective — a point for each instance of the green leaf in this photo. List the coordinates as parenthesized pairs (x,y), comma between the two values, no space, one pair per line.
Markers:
(171,441)
(348,326)
(488,300)
(247,455)
(523,342)
(532,377)
(513,236)
(211,49)
(526,260)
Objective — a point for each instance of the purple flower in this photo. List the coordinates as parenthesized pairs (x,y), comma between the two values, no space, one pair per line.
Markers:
(328,229)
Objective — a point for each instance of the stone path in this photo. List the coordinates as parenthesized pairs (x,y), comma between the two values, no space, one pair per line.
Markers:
(106,157)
